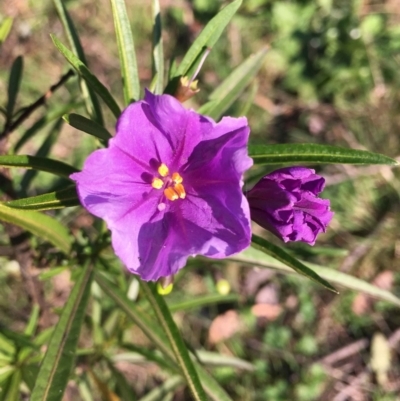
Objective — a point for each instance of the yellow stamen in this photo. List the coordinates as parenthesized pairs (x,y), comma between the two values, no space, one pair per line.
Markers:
(180,190)
(163,170)
(176,178)
(170,194)
(157,183)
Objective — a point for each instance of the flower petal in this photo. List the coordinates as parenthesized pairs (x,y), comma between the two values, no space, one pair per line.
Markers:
(182,128)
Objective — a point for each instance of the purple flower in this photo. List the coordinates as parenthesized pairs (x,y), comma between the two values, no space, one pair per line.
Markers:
(285,202)
(169,186)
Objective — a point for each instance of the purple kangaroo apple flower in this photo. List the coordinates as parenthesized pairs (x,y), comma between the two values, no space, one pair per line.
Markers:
(286,203)
(169,186)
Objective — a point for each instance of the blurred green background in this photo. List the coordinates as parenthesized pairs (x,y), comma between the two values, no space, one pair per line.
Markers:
(332,76)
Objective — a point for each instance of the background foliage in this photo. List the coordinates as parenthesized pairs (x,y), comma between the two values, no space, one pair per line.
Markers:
(330,77)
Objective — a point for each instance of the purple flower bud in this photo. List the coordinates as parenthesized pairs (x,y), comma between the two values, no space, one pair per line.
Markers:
(286,203)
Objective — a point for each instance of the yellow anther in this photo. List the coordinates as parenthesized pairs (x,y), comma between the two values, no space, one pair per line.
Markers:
(176,178)
(163,170)
(180,190)
(157,183)
(170,194)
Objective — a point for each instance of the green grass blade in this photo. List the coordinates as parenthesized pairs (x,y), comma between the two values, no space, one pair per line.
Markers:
(158,52)
(314,153)
(91,79)
(233,86)
(207,38)
(86,125)
(5,29)
(281,255)
(38,224)
(91,102)
(57,363)
(255,257)
(13,85)
(38,163)
(126,50)
(178,346)
(54,200)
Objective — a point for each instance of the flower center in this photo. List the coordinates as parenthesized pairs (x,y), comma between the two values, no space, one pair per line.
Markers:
(173,188)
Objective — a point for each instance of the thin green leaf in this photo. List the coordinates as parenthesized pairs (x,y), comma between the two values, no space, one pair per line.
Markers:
(152,331)
(233,86)
(314,153)
(57,363)
(158,52)
(43,151)
(158,393)
(86,125)
(123,388)
(50,116)
(258,258)
(5,29)
(54,271)
(178,346)
(13,85)
(138,354)
(204,300)
(55,200)
(38,163)
(281,255)
(38,224)
(207,38)
(214,359)
(90,99)
(13,393)
(91,79)
(141,319)
(126,50)
(33,321)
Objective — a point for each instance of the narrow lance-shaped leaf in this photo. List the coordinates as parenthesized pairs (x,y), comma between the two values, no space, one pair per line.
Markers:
(178,346)
(13,388)
(38,163)
(89,126)
(232,87)
(158,52)
(38,224)
(91,79)
(158,393)
(151,330)
(13,85)
(55,200)
(258,258)
(281,255)
(57,363)
(5,28)
(201,301)
(90,99)
(51,115)
(207,38)
(43,151)
(314,153)
(126,50)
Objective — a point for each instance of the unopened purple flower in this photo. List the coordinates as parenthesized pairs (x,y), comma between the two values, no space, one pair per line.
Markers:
(169,186)
(286,203)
